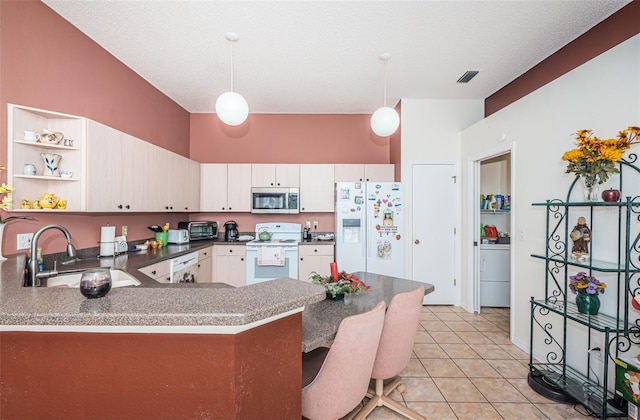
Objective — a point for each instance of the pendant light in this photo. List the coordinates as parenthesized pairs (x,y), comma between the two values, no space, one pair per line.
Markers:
(231,107)
(385,121)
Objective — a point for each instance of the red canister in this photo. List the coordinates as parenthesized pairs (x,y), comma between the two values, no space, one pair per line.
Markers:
(334,270)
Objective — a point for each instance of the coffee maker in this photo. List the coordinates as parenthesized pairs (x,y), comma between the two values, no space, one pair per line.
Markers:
(230,231)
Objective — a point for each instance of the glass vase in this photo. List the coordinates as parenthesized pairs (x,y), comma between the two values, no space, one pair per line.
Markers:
(591,187)
(588,304)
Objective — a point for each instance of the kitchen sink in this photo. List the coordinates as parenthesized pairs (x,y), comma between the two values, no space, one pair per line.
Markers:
(118,279)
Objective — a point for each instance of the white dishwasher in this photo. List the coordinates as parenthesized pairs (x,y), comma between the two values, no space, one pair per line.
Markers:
(184,269)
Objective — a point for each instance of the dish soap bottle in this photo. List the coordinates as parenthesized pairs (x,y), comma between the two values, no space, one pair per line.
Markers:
(306,234)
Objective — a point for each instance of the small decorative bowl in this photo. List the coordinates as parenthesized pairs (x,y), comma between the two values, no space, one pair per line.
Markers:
(51,138)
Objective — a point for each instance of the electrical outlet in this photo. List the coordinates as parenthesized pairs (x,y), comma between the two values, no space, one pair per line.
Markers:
(315,225)
(124,230)
(24,240)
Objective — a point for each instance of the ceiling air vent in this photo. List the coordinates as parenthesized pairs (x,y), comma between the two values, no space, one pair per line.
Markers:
(468,75)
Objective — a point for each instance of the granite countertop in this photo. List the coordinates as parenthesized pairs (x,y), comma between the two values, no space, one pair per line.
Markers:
(149,304)
(320,320)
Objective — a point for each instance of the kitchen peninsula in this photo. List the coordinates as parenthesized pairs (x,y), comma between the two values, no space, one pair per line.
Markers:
(164,351)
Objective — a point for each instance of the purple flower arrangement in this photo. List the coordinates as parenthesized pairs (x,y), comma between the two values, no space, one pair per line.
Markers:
(583,283)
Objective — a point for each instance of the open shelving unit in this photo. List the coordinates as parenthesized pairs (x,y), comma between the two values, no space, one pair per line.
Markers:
(562,337)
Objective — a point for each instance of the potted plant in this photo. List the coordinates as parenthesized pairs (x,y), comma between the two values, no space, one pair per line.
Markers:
(595,159)
(586,288)
(337,288)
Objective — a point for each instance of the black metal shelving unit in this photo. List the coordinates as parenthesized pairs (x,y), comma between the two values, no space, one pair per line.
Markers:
(556,318)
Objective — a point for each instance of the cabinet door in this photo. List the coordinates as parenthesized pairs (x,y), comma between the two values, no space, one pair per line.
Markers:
(288,175)
(263,175)
(317,188)
(379,173)
(205,265)
(182,191)
(314,258)
(230,265)
(158,271)
(494,264)
(239,187)
(193,186)
(349,172)
(213,187)
(117,177)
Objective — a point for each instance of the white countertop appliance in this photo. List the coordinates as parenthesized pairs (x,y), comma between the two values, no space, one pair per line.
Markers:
(370,228)
(276,257)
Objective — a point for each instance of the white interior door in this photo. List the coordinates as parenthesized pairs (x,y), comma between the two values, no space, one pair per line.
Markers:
(434,212)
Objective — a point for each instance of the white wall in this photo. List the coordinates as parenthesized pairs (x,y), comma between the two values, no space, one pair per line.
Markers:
(431,132)
(603,95)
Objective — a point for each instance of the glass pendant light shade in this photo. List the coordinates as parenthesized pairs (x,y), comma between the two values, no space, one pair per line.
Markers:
(385,121)
(232,108)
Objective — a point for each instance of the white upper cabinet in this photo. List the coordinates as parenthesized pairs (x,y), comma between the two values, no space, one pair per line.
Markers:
(275,175)
(371,172)
(23,151)
(225,187)
(317,188)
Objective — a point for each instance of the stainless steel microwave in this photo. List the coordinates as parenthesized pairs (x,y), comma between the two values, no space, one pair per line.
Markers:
(271,200)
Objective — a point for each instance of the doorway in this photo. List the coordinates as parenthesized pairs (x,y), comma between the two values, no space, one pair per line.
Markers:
(504,178)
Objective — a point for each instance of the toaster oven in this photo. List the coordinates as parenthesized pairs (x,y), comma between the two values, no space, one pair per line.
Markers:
(200,230)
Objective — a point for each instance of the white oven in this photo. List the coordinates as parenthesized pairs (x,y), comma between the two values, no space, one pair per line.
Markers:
(275,258)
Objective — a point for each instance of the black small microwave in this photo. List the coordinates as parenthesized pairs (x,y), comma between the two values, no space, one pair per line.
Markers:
(278,200)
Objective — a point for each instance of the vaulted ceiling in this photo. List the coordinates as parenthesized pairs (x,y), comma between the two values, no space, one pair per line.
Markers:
(323,56)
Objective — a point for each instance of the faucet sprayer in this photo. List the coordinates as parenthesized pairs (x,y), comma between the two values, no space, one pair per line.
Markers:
(32,276)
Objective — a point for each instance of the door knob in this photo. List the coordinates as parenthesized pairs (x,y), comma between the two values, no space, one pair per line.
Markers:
(417,242)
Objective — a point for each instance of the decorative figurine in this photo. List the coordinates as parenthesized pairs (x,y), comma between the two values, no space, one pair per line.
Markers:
(581,236)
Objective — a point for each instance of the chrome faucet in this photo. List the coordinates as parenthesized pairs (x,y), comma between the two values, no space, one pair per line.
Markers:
(33,276)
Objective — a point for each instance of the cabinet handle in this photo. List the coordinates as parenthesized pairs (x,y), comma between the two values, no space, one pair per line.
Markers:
(241,259)
(186,208)
(231,250)
(417,242)
(127,207)
(229,208)
(301,259)
(120,206)
(223,208)
(153,272)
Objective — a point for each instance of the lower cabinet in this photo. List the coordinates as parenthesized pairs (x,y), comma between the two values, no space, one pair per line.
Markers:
(159,271)
(314,258)
(205,265)
(230,265)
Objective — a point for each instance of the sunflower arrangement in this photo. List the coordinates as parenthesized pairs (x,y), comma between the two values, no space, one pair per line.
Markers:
(595,159)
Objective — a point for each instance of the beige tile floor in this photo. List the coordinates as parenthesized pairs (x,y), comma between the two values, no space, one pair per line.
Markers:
(465,367)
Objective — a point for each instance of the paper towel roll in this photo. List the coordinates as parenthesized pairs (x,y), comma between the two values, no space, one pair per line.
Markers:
(107,240)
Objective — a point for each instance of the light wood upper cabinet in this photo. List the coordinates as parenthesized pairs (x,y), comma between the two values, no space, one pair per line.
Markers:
(213,187)
(275,175)
(239,187)
(225,187)
(181,191)
(317,188)
(354,172)
(117,175)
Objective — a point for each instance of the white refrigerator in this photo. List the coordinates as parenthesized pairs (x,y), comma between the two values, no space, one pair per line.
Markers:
(369,227)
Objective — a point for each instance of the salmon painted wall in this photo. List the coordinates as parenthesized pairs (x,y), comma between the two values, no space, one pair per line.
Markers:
(58,68)
(288,138)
